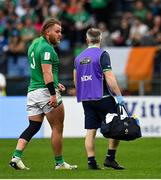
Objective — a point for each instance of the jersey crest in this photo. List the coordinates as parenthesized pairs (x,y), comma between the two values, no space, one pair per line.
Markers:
(47,56)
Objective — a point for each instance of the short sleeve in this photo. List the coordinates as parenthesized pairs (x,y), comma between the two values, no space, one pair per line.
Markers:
(105,62)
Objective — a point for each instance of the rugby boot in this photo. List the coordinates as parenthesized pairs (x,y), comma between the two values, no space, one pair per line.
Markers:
(65,166)
(17,164)
(112,164)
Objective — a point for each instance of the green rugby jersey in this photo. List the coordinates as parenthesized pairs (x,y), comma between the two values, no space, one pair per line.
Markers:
(41,52)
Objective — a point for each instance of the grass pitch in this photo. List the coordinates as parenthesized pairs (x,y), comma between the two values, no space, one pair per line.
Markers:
(141,158)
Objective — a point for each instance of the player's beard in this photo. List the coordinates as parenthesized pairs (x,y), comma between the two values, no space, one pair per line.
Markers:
(53,40)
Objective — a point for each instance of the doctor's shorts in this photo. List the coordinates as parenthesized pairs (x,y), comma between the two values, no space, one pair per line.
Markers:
(95,111)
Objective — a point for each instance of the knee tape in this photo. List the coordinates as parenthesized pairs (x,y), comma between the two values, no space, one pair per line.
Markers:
(31,130)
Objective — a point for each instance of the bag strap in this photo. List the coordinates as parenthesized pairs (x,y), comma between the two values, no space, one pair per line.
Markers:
(120,110)
(125,108)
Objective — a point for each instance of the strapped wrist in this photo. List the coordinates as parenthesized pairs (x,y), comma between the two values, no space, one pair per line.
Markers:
(51,88)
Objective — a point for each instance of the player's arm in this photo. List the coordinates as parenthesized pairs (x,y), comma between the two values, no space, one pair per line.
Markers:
(47,73)
(48,79)
(46,65)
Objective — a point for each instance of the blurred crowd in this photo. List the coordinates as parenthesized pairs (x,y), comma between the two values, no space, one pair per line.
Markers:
(123,23)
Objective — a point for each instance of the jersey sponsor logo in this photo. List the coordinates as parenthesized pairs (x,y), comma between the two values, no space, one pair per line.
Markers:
(47,56)
(86,78)
(85,61)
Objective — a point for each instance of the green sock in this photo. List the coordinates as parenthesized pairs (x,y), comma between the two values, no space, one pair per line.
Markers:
(59,159)
(17,153)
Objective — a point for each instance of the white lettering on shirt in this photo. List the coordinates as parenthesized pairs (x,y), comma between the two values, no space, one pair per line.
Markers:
(86,78)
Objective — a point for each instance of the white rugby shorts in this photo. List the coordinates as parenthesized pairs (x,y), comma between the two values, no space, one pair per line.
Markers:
(37,101)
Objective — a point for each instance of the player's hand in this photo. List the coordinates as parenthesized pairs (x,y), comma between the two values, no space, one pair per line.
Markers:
(53,101)
(120,100)
(61,87)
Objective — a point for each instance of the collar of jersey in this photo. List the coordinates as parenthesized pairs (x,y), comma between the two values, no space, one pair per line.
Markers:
(46,40)
(93,46)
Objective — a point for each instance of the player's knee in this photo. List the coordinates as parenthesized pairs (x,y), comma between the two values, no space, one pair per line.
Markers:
(58,129)
(31,130)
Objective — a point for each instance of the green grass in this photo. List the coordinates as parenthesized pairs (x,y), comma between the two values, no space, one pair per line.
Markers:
(142,159)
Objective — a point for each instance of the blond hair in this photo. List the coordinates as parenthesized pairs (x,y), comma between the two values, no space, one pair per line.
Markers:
(48,23)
